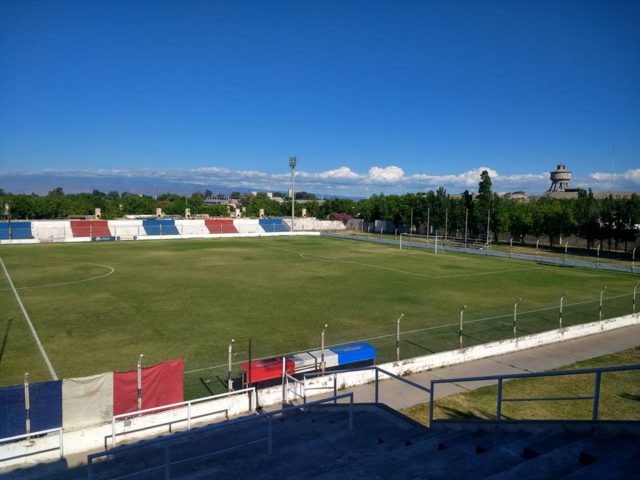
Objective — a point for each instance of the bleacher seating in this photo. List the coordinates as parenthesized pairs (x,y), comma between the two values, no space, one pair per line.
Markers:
(126,229)
(90,228)
(51,230)
(273,225)
(316,443)
(190,227)
(15,231)
(165,226)
(220,225)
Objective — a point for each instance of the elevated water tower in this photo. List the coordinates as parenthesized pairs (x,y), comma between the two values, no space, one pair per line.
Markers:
(560,178)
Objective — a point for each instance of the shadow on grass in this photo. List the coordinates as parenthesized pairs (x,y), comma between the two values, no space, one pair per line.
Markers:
(630,396)
(5,339)
(422,347)
(452,413)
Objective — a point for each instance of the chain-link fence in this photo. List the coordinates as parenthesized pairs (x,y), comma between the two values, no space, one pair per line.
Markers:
(409,343)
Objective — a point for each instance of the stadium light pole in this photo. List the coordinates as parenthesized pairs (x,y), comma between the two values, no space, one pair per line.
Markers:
(229,381)
(600,306)
(461,323)
(561,303)
(322,347)
(566,247)
(515,316)
(398,337)
(598,254)
(537,244)
(635,287)
(293,161)
(633,259)
(510,246)
(139,371)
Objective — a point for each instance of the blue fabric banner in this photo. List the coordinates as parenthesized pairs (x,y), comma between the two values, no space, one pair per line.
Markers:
(45,401)
(46,405)
(12,414)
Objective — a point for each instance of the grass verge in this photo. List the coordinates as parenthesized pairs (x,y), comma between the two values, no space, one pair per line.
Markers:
(619,396)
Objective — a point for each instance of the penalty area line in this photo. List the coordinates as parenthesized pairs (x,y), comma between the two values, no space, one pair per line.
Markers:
(26,317)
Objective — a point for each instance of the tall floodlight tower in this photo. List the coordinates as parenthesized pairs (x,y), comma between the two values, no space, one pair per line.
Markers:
(292,166)
(560,178)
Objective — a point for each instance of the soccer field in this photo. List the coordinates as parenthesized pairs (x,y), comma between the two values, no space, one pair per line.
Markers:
(96,306)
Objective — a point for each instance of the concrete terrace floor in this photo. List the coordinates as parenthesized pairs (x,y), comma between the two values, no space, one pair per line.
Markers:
(398,395)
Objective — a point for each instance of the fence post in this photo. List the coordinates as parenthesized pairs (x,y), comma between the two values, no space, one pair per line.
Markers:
(113,431)
(398,337)
(61,444)
(335,387)
(377,388)
(596,397)
(431,400)
(351,412)
(270,440)
(189,416)
(499,403)
(284,372)
(600,306)
(27,403)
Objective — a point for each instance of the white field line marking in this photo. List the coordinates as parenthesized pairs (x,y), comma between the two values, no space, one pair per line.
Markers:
(397,270)
(435,327)
(110,272)
(33,330)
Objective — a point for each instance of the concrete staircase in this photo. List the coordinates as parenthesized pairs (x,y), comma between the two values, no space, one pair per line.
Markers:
(317,444)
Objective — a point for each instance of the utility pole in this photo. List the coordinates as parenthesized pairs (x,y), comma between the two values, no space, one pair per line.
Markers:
(292,166)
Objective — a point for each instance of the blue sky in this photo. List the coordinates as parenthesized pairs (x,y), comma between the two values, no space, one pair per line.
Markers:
(371,96)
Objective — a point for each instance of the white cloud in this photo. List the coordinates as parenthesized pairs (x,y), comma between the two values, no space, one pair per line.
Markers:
(388,174)
(388,179)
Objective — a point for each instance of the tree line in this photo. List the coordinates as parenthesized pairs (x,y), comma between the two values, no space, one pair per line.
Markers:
(612,221)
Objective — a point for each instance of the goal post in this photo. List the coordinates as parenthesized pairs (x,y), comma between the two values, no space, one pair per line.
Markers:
(435,242)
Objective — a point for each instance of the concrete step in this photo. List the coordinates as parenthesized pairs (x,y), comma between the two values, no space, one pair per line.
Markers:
(48,471)
(415,461)
(305,448)
(537,458)
(562,460)
(492,453)
(622,462)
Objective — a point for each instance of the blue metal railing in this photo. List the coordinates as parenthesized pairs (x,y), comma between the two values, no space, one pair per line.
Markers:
(377,370)
(501,378)
(166,443)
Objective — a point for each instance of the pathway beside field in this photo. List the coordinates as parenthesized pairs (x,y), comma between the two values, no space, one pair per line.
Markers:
(400,395)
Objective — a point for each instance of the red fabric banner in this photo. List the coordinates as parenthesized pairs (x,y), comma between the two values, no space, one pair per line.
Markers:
(161,385)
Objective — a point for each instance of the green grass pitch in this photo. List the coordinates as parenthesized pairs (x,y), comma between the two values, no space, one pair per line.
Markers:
(96,306)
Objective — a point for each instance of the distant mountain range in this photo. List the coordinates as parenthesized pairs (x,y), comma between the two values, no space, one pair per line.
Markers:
(41,184)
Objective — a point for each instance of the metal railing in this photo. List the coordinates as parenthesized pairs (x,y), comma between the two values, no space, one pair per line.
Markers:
(166,443)
(189,417)
(377,371)
(27,436)
(495,253)
(500,399)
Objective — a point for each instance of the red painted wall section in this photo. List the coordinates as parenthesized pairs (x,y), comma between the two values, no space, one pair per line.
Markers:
(161,385)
